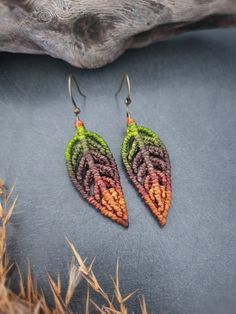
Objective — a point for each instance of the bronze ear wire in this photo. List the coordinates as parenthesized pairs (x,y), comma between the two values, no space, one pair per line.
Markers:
(127,100)
(72,79)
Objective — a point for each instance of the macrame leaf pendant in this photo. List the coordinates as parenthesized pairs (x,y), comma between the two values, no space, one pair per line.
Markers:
(93,171)
(147,163)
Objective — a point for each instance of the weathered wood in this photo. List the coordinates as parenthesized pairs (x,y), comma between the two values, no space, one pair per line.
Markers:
(92,33)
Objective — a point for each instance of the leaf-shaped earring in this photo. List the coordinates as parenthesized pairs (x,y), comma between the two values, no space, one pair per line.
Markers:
(93,170)
(147,163)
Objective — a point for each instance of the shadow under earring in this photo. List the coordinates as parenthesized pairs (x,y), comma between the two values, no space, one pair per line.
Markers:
(147,163)
(93,170)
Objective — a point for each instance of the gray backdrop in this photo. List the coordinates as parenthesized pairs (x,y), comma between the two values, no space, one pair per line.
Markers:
(185,90)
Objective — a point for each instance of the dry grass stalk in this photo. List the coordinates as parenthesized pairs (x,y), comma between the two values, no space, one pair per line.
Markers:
(31,300)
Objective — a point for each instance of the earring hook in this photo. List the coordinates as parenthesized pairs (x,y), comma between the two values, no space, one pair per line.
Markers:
(127,100)
(72,79)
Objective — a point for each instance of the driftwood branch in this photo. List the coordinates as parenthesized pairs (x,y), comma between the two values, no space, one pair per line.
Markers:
(92,33)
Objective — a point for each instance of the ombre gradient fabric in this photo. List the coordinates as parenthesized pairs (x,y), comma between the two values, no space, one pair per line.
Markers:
(93,171)
(148,166)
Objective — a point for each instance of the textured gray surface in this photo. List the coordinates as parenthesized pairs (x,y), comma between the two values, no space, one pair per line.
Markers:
(90,34)
(185,90)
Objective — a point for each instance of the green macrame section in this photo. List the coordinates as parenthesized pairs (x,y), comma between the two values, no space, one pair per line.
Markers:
(81,143)
(137,137)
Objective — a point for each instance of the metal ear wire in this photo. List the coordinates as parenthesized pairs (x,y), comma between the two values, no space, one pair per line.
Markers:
(127,100)
(72,79)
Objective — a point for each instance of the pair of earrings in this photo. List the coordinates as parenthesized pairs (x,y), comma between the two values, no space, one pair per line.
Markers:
(93,170)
